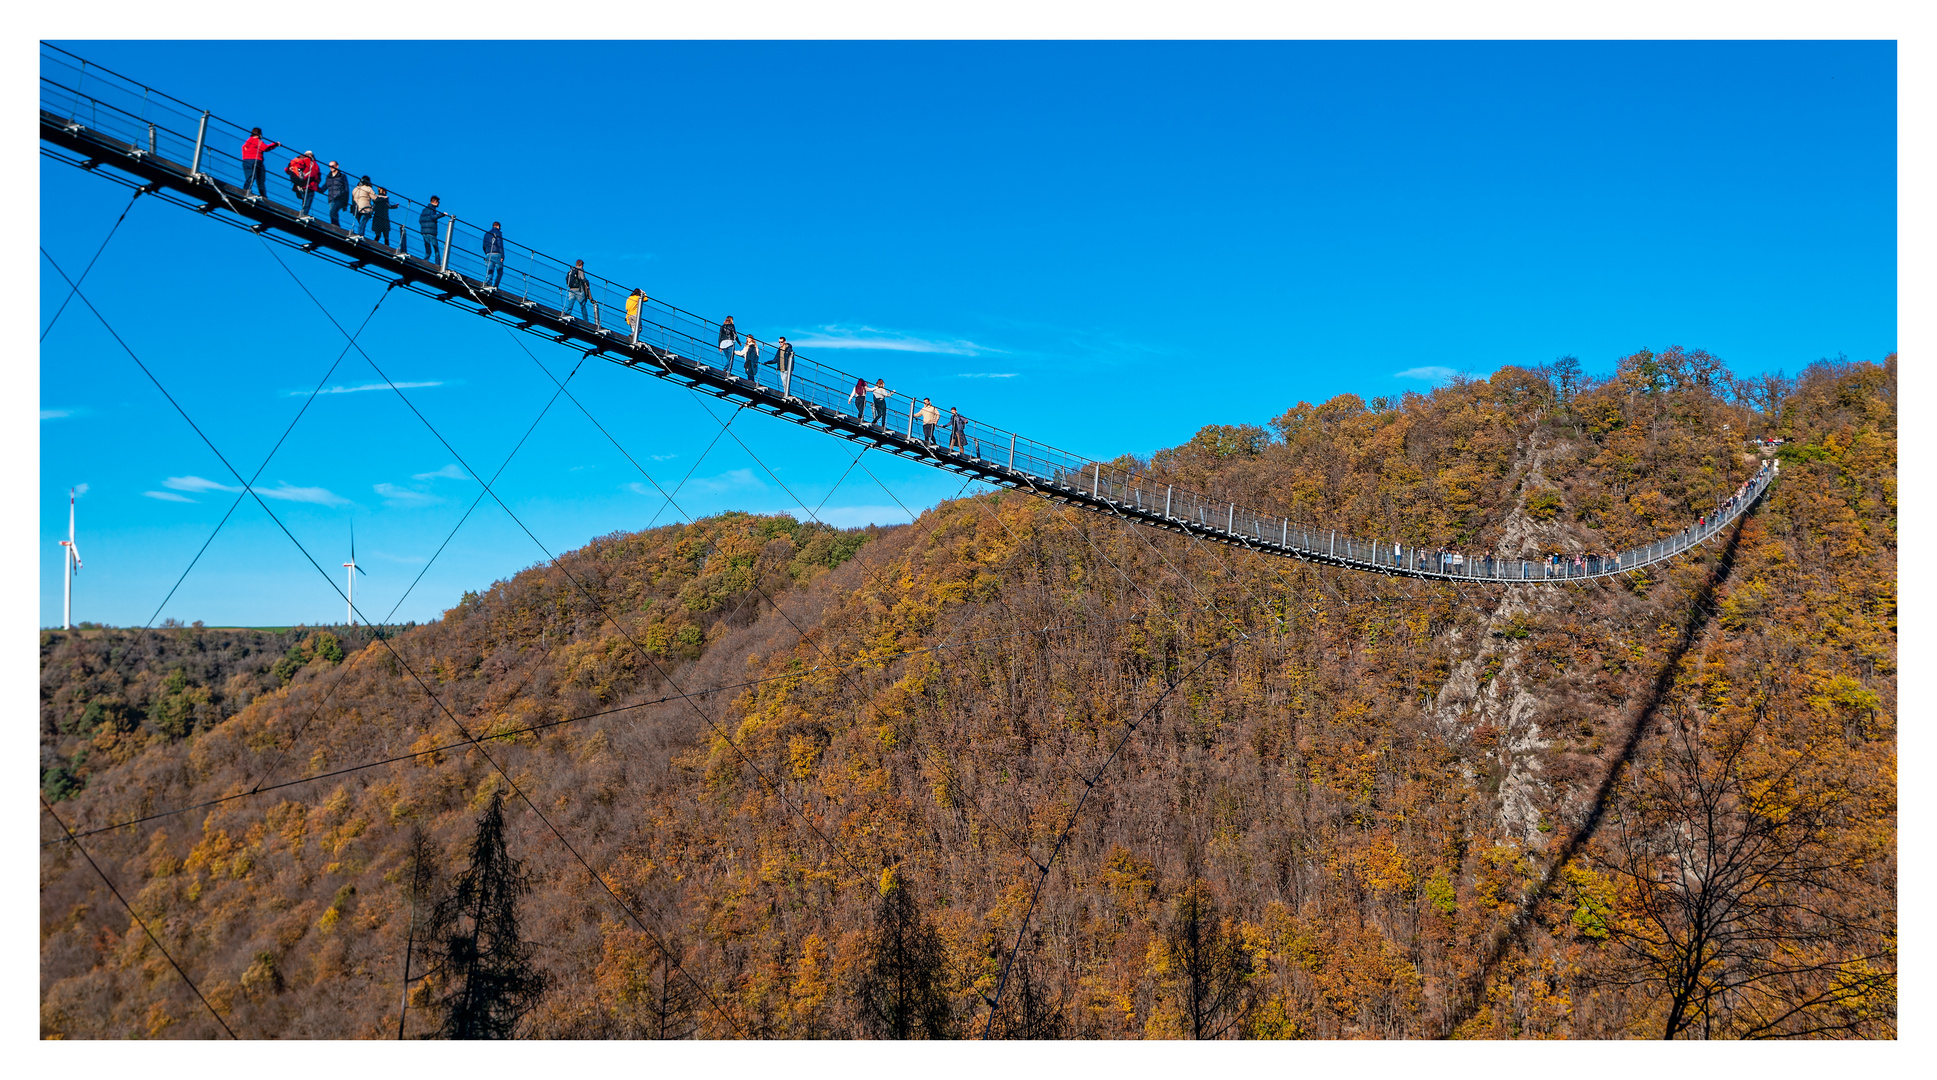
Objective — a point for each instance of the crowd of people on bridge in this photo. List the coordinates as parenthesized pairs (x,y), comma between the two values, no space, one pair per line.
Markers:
(369,207)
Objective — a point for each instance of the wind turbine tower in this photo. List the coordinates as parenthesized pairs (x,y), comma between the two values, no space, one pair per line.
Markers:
(72,558)
(350,571)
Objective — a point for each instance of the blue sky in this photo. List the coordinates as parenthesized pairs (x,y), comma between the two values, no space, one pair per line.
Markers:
(1104,245)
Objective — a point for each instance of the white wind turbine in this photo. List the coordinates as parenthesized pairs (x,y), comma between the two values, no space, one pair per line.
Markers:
(72,558)
(350,571)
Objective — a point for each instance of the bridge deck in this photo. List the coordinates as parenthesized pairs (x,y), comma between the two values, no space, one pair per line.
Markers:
(136,135)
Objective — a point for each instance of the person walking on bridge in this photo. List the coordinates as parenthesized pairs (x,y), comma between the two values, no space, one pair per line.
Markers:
(783,358)
(305,178)
(957,430)
(930,416)
(336,188)
(578,290)
(361,198)
(493,256)
(751,352)
(427,225)
(253,151)
(858,397)
(380,207)
(881,396)
(634,304)
(729,340)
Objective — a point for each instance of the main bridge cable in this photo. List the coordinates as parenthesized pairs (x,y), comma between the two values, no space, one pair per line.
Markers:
(139,191)
(471,740)
(139,921)
(250,483)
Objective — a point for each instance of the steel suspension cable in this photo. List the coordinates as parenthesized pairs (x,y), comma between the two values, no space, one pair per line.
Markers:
(90,263)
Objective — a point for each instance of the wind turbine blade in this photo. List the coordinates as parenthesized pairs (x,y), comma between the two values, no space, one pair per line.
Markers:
(360,569)
(77,554)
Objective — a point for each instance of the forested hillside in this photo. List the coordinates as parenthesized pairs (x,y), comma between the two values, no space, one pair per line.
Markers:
(838,783)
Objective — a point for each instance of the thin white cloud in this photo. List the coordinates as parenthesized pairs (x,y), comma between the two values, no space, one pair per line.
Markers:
(848,517)
(638,488)
(283,490)
(196,483)
(80,489)
(168,496)
(731,480)
(662,457)
(449,472)
(868,337)
(290,493)
(1431,373)
(986,374)
(403,496)
(56,414)
(365,386)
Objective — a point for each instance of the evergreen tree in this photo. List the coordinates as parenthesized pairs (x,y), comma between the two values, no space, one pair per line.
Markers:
(900,986)
(490,981)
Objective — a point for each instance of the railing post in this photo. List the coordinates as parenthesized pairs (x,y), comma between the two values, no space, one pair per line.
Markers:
(1096,477)
(201,140)
(1334,545)
(151,138)
(1167,490)
(1230,517)
(450,230)
(1284,534)
(1012,450)
(911,418)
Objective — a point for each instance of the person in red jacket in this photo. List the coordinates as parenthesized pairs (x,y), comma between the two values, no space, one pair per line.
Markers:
(252,155)
(305,178)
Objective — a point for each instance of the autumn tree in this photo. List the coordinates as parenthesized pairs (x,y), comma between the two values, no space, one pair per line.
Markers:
(1206,954)
(1727,857)
(900,988)
(490,981)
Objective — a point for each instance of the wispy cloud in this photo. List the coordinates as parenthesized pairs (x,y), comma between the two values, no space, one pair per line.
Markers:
(403,496)
(869,337)
(168,496)
(731,480)
(986,374)
(638,488)
(56,414)
(196,483)
(449,472)
(365,386)
(1430,373)
(662,457)
(80,489)
(283,490)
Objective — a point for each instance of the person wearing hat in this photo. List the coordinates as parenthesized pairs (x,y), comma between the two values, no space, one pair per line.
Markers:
(380,207)
(305,178)
(361,199)
(336,187)
(254,151)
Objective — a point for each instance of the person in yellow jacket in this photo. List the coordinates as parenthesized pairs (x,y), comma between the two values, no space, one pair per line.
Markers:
(930,416)
(633,305)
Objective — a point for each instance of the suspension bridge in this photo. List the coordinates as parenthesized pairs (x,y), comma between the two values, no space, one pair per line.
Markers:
(135,135)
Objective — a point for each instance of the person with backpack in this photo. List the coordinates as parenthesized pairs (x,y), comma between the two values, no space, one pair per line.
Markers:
(427,225)
(304,178)
(336,188)
(361,199)
(380,207)
(930,416)
(493,257)
(729,340)
(254,150)
(957,430)
(578,290)
(881,396)
(783,358)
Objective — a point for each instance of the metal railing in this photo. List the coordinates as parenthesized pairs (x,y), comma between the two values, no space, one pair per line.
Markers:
(193,151)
